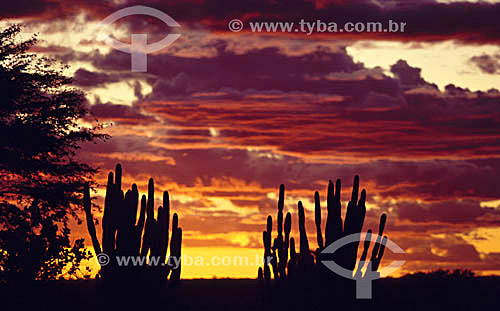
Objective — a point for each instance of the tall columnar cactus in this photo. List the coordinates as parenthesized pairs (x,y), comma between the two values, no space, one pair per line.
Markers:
(335,229)
(122,233)
(276,254)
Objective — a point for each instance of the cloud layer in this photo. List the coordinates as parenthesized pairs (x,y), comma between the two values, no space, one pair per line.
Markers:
(220,121)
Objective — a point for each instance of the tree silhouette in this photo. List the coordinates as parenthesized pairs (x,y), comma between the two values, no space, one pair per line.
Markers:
(41,180)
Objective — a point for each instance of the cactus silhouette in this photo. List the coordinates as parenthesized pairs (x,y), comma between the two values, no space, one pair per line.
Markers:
(335,228)
(303,262)
(122,233)
(377,251)
(277,254)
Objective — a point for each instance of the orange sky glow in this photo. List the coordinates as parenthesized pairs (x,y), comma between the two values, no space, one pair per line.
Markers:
(221,119)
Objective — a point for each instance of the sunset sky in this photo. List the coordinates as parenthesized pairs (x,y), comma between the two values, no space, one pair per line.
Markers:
(221,118)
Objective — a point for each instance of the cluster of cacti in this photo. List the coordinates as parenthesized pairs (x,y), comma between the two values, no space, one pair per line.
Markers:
(277,254)
(122,233)
(307,263)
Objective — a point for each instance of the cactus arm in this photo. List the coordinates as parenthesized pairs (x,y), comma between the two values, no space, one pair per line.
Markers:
(281,202)
(376,262)
(362,260)
(134,203)
(334,230)
(166,224)
(150,220)
(304,243)
(175,249)
(317,219)
(87,206)
(293,258)
(376,247)
(107,244)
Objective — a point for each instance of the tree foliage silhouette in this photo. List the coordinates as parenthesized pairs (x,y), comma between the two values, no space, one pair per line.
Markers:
(41,179)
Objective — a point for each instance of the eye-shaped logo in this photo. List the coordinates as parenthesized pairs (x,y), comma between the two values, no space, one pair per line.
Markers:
(363,282)
(139,47)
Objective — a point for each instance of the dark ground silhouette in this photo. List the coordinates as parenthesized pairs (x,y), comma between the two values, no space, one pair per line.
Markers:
(425,292)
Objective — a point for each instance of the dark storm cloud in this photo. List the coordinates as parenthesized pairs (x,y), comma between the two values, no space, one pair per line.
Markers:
(487,63)
(120,114)
(463,21)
